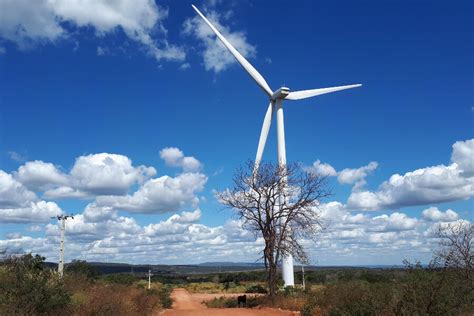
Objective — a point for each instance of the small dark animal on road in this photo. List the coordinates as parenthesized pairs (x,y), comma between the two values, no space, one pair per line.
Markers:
(242,299)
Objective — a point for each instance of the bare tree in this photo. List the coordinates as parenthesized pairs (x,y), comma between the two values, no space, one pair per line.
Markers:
(279,204)
(456,250)
(445,287)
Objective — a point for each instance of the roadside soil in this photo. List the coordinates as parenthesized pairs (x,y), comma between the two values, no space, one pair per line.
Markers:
(187,304)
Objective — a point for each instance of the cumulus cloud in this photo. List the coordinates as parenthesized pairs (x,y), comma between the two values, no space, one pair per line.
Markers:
(20,205)
(356,176)
(111,237)
(423,186)
(433,214)
(322,169)
(160,195)
(100,234)
(393,222)
(105,173)
(40,175)
(216,57)
(463,156)
(13,193)
(91,175)
(35,212)
(30,22)
(175,157)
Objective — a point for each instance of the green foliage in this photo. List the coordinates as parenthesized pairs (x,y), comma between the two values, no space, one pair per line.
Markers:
(433,290)
(120,278)
(257,288)
(165,296)
(83,268)
(28,288)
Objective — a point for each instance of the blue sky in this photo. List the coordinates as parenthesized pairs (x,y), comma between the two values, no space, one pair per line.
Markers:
(134,78)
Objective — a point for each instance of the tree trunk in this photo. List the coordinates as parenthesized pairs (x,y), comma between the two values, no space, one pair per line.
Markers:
(272,279)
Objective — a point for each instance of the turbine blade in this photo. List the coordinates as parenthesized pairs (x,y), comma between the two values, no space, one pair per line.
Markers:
(267,121)
(243,62)
(298,95)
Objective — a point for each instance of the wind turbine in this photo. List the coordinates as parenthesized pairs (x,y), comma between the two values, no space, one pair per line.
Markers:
(276,105)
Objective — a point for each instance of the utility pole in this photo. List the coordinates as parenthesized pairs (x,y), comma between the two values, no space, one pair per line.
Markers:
(63,219)
(149,279)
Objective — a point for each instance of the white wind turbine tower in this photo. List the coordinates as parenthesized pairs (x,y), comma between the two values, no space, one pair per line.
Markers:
(276,105)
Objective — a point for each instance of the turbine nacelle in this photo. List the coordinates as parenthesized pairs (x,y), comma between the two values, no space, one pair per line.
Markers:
(280,94)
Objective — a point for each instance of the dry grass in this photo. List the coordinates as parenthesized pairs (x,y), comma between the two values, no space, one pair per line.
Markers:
(101,298)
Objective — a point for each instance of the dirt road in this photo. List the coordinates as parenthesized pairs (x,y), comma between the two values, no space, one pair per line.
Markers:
(187,304)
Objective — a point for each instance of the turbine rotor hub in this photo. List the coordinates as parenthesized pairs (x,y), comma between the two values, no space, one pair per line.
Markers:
(280,94)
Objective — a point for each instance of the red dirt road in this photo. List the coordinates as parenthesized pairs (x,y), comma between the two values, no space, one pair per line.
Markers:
(187,304)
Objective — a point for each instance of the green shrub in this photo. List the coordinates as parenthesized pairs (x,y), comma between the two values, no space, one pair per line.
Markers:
(165,297)
(27,287)
(257,288)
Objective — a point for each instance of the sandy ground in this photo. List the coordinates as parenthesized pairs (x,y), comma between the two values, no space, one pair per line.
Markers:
(185,303)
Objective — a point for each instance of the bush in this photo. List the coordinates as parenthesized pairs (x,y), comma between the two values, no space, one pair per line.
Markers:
(434,290)
(27,287)
(83,268)
(117,299)
(120,278)
(165,297)
(256,289)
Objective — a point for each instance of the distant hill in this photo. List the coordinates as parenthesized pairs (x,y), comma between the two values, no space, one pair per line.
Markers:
(204,268)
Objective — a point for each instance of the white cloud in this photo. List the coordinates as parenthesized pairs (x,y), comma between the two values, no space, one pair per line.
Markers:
(216,57)
(13,154)
(100,234)
(24,22)
(28,22)
(463,156)
(393,222)
(186,217)
(423,186)
(35,212)
(13,193)
(160,195)
(433,214)
(175,157)
(20,205)
(97,174)
(346,176)
(34,228)
(185,66)
(40,175)
(105,173)
(65,192)
(322,169)
(356,176)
